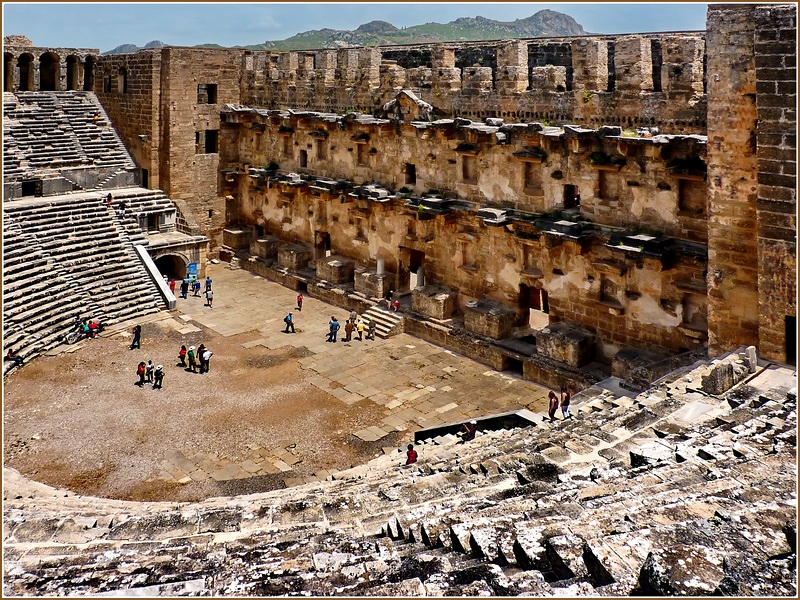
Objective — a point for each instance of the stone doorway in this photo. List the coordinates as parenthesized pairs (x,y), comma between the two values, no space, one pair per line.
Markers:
(49,71)
(172,265)
(534,301)
(572,196)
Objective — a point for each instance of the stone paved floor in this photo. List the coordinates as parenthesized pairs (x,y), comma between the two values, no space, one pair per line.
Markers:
(416,383)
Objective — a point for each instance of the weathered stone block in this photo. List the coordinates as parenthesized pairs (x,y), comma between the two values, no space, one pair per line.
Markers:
(566,343)
(435,301)
(265,247)
(336,269)
(549,79)
(294,256)
(724,375)
(491,319)
(236,237)
(369,283)
(629,361)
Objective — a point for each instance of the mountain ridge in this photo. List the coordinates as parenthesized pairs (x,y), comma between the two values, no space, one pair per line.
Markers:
(544,23)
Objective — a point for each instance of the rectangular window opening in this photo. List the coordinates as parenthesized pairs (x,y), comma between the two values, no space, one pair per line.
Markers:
(206,93)
(211,141)
(791,340)
(411,174)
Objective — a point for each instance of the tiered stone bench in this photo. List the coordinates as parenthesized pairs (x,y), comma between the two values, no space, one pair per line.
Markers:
(71,255)
(672,492)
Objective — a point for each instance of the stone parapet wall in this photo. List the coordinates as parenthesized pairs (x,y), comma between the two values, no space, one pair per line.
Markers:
(508,79)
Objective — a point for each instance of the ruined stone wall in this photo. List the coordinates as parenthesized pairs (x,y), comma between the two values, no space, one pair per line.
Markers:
(189,170)
(732,170)
(133,105)
(620,292)
(776,205)
(751,175)
(558,79)
(527,171)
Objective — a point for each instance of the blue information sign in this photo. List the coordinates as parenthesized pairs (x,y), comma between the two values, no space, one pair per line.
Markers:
(192,269)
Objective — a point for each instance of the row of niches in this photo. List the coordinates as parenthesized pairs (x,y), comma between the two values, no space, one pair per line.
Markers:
(616,180)
(609,283)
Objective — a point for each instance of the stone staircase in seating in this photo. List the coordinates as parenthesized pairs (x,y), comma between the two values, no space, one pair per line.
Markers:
(387,323)
(673,492)
(71,255)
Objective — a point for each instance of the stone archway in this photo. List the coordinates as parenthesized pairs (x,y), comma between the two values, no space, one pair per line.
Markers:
(25,65)
(172,265)
(49,72)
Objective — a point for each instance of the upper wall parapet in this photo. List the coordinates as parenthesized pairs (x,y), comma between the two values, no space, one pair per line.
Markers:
(629,80)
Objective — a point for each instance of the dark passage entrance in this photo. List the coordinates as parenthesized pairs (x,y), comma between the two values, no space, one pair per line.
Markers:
(572,196)
(49,72)
(791,340)
(172,266)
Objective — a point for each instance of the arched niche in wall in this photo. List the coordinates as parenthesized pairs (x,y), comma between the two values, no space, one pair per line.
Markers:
(49,72)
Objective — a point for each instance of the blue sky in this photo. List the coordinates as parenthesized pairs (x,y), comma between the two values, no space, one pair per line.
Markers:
(105,26)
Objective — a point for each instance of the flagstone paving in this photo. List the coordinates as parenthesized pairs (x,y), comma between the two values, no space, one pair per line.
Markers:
(416,383)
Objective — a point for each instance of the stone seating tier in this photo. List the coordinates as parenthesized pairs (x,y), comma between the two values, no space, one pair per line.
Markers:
(72,255)
(693,476)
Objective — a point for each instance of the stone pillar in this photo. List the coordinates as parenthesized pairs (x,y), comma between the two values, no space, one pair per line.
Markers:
(512,67)
(381,266)
(61,76)
(682,64)
(325,66)
(477,79)
(35,68)
(633,64)
(445,76)
(420,276)
(732,186)
(347,70)
(776,204)
(369,61)
(589,65)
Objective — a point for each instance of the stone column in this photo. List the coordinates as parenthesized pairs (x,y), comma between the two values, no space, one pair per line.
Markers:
(633,64)
(444,75)
(732,186)
(420,276)
(369,65)
(682,64)
(381,269)
(589,65)
(325,66)
(512,67)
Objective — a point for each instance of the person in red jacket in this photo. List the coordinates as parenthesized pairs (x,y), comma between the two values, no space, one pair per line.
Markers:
(411,454)
(140,371)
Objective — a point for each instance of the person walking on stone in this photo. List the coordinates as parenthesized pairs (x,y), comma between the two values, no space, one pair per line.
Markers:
(159,377)
(182,356)
(208,283)
(196,286)
(353,316)
(289,323)
(300,302)
(348,330)
(137,337)
(140,371)
(411,455)
(184,289)
(191,359)
(149,371)
(207,359)
(209,297)
(372,326)
(172,286)
(565,399)
(553,405)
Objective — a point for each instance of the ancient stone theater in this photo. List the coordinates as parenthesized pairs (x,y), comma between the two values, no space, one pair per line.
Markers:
(588,209)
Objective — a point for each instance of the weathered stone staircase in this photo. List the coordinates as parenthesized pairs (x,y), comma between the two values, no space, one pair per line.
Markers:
(387,323)
(71,255)
(673,492)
